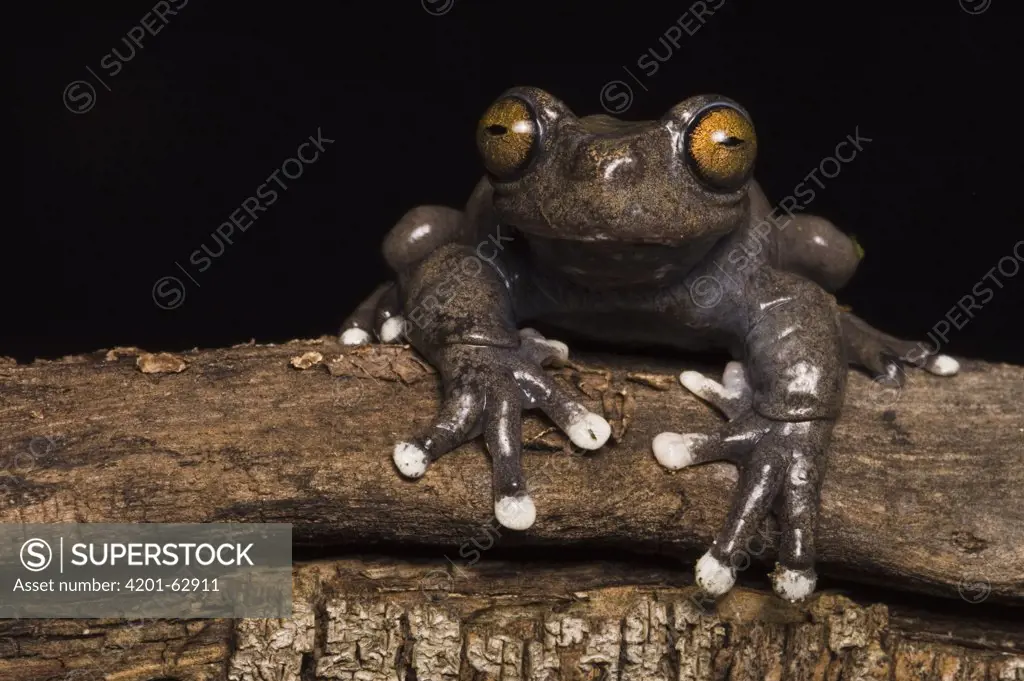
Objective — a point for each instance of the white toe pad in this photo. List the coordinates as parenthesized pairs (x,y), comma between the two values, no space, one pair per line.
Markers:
(734,378)
(713,576)
(793,585)
(589,431)
(560,349)
(391,330)
(410,460)
(944,365)
(354,337)
(703,387)
(515,513)
(675,451)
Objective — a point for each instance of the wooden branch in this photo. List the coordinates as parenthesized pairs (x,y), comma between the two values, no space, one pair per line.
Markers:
(386,620)
(924,493)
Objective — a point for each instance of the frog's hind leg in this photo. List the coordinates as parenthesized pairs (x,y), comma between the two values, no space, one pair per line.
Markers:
(884,356)
(816,249)
(419,233)
(359,327)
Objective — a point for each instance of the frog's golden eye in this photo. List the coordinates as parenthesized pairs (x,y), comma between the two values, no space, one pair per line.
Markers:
(507,137)
(720,147)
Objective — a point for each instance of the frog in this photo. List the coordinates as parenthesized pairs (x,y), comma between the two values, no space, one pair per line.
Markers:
(635,234)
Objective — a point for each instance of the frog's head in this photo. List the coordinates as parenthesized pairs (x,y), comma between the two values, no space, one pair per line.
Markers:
(678,181)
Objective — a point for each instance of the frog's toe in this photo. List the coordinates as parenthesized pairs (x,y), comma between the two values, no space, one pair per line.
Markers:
(676,451)
(585,429)
(368,316)
(589,431)
(885,356)
(713,576)
(732,396)
(942,365)
(734,379)
(539,349)
(454,424)
(794,585)
(515,513)
(410,460)
(355,336)
(392,329)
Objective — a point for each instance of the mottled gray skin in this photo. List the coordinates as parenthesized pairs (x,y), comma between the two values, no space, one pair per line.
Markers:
(608,235)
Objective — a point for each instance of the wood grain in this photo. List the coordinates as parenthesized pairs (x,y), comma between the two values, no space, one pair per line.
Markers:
(924,492)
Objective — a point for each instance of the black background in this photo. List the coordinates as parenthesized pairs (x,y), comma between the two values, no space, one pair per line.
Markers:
(113,198)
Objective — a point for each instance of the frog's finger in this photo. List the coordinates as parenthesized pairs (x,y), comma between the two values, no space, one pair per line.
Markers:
(586,429)
(735,381)
(676,451)
(732,397)
(760,480)
(460,411)
(794,578)
(358,327)
(513,507)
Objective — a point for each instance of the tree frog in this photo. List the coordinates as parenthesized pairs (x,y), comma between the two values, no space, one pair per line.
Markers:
(635,233)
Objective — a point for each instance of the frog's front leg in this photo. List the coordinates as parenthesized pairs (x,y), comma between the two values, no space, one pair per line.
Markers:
(460,316)
(782,410)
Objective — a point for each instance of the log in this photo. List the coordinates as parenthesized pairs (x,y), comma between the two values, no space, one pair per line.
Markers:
(388,620)
(924,491)
(923,495)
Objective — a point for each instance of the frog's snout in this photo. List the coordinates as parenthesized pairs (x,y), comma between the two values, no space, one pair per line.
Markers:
(611,164)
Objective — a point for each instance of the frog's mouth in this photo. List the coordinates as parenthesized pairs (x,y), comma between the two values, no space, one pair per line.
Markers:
(623,220)
(607,263)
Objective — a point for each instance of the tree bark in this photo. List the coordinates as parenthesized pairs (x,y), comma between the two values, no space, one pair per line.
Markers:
(924,494)
(385,620)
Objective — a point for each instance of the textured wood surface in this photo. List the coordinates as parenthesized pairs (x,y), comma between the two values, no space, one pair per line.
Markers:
(923,495)
(445,620)
(924,491)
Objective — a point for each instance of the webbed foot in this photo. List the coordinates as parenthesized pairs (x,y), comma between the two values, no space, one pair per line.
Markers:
(779,464)
(886,357)
(485,390)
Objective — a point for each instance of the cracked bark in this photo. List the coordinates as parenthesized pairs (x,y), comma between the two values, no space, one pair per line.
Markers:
(923,495)
(388,620)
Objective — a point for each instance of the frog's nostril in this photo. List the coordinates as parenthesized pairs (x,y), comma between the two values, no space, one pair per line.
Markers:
(496,130)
